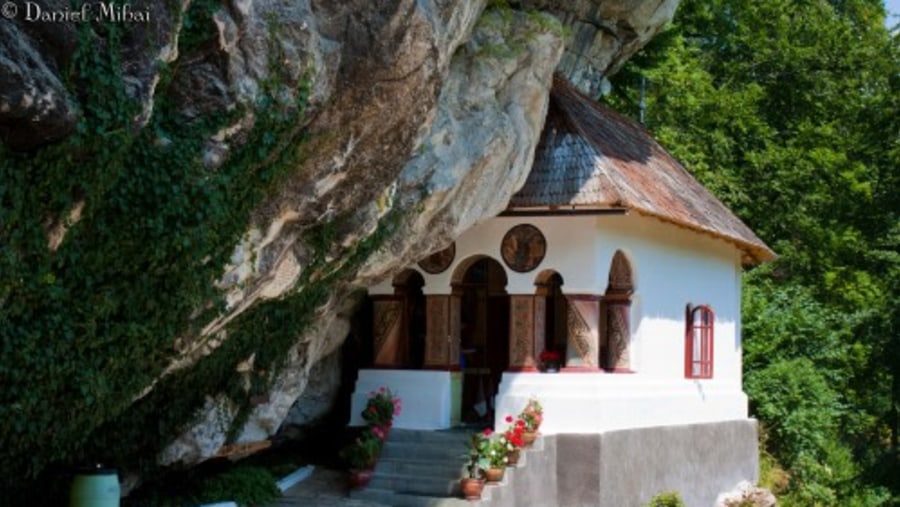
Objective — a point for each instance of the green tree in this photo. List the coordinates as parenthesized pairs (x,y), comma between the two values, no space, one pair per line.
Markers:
(789,111)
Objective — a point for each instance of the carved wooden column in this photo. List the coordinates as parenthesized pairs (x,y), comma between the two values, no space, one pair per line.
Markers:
(526,331)
(583,323)
(455,332)
(442,331)
(618,327)
(387,330)
(618,314)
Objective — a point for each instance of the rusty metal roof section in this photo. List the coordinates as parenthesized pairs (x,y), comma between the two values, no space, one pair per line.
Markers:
(591,157)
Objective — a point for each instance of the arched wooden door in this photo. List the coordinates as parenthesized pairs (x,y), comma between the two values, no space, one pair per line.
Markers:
(483,333)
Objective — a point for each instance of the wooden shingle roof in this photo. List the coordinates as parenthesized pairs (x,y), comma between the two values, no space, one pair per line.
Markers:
(591,157)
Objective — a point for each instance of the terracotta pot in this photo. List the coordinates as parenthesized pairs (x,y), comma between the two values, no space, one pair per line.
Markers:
(359,479)
(512,457)
(529,437)
(471,488)
(494,474)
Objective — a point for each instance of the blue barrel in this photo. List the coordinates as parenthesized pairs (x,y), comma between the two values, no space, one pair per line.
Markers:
(95,487)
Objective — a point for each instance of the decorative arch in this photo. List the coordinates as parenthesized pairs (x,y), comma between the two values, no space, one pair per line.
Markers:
(479,308)
(545,280)
(571,323)
(617,313)
(407,276)
(621,275)
(463,269)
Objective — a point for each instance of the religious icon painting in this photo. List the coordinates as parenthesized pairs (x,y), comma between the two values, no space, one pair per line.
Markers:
(523,248)
(439,261)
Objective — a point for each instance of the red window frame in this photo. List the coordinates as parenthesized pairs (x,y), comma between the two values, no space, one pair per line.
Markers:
(698,342)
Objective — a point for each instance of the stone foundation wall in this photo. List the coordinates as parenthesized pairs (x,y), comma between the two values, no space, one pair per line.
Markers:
(626,468)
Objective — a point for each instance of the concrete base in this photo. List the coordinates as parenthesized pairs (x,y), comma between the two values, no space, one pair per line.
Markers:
(430,399)
(627,468)
(598,402)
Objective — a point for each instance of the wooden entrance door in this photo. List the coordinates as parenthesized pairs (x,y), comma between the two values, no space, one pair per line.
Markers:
(484,336)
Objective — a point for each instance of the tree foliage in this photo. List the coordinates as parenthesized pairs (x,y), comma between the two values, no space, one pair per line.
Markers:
(789,111)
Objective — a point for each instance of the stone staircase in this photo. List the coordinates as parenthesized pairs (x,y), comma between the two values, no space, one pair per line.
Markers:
(422,469)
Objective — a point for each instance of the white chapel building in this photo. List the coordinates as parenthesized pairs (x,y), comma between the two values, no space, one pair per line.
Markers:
(611,256)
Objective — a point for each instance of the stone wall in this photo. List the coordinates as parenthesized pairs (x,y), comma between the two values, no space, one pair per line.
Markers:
(627,468)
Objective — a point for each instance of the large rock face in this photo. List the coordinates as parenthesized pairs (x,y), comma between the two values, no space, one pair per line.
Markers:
(422,114)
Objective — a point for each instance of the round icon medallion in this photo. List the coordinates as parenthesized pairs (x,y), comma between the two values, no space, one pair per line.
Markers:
(523,248)
(439,261)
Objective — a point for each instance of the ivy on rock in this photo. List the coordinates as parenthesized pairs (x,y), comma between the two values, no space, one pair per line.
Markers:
(87,323)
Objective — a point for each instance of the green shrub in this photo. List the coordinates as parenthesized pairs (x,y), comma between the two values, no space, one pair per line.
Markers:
(666,499)
(216,482)
(244,485)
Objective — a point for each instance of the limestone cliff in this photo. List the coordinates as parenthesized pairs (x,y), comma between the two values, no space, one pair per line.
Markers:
(396,125)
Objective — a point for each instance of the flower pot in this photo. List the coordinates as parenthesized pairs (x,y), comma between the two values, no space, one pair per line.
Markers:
(494,475)
(512,457)
(471,488)
(359,479)
(529,437)
(95,487)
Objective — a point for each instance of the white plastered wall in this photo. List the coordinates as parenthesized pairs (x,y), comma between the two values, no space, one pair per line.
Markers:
(672,267)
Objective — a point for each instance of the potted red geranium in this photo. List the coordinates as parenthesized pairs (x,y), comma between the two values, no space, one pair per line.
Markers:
(514,439)
(361,455)
(532,416)
(477,463)
(550,360)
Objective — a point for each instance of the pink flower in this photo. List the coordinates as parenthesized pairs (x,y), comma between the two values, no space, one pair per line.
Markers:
(509,419)
(381,389)
(488,432)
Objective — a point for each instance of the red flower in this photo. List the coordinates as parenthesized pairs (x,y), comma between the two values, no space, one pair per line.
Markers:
(488,432)
(509,419)
(550,355)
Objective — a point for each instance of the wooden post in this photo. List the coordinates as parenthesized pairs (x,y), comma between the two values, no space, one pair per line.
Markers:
(442,331)
(387,328)
(618,326)
(583,324)
(526,331)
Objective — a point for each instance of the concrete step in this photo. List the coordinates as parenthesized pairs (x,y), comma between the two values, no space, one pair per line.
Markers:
(416,484)
(410,500)
(423,469)
(430,468)
(445,451)
(450,437)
